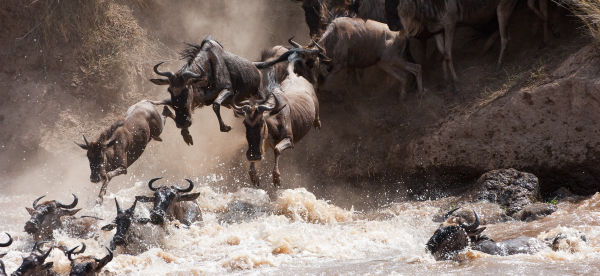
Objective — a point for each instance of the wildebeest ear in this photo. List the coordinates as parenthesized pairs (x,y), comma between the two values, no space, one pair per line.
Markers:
(189,197)
(145,198)
(110,143)
(83,146)
(108,227)
(197,82)
(65,212)
(143,220)
(160,81)
(30,211)
(48,265)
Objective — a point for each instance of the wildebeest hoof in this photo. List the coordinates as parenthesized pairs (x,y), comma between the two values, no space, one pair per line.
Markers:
(188,140)
(225,128)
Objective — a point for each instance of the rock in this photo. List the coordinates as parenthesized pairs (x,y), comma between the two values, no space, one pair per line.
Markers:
(509,188)
(536,211)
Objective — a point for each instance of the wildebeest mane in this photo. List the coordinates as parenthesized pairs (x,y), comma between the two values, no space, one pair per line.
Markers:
(108,132)
(330,14)
(190,53)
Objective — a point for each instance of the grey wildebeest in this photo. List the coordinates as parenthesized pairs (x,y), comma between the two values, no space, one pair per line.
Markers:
(123,222)
(358,43)
(442,17)
(55,215)
(87,265)
(33,265)
(173,203)
(120,145)
(280,127)
(210,76)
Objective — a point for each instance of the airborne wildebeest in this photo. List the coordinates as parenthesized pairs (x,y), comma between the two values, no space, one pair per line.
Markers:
(123,222)
(120,145)
(279,127)
(173,202)
(442,17)
(52,215)
(358,43)
(33,265)
(87,265)
(211,75)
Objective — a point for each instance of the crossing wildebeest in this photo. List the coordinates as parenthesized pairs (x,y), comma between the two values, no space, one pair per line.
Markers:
(210,76)
(442,17)
(120,145)
(173,203)
(53,215)
(33,265)
(87,265)
(453,235)
(358,43)
(123,222)
(280,127)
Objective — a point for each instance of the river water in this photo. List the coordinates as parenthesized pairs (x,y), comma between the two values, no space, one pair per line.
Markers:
(297,234)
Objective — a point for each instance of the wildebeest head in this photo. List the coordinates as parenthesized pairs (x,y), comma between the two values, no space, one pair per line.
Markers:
(165,198)
(96,152)
(33,265)
(45,216)
(453,235)
(122,222)
(256,126)
(180,88)
(87,265)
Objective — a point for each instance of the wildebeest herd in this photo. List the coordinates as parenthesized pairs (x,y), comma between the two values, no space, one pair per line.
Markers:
(277,114)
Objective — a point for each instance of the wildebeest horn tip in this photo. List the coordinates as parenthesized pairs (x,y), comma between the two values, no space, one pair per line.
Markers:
(65,206)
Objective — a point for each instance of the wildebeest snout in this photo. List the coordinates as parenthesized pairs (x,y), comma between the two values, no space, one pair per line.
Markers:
(253,155)
(183,121)
(157,216)
(31,227)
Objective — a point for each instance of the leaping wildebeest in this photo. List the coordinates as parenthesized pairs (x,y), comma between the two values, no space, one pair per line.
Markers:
(55,215)
(173,203)
(87,265)
(442,17)
(280,127)
(120,145)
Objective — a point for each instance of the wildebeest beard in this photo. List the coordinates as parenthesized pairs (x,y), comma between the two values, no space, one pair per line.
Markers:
(45,217)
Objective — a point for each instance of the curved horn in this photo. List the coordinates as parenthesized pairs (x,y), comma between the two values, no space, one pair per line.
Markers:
(321,51)
(72,205)
(189,189)
(318,46)
(447,215)
(132,208)
(36,201)
(10,240)
(106,259)
(86,142)
(191,75)
(152,181)
(167,74)
(473,226)
(243,108)
(45,255)
(262,108)
(72,251)
(284,57)
(294,43)
(119,210)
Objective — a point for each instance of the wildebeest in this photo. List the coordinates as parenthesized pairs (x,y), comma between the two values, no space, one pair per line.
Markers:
(33,265)
(123,222)
(279,127)
(120,145)
(87,265)
(211,75)
(358,43)
(173,202)
(52,215)
(453,235)
(442,17)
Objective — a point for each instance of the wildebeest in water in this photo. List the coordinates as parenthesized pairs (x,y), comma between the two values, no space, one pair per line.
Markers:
(123,222)
(54,215)
(87,265)
(173,203)
(120,145)
(35,264)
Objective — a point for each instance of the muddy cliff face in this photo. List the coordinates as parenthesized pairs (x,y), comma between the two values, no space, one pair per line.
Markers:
(551,130)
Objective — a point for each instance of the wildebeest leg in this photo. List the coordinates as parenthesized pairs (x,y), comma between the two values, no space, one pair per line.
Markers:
(414,69)
(439,42)
(504,10)
(253,174)
(385,66)
(187,138)
(226,93)
(281,146)
(448,39)
(103,189)
(542,13)
(423,42)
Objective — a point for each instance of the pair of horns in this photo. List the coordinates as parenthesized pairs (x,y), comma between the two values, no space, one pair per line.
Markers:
(186,75)
(37,246)
(261,107)
(58,203)
(105,260)
(130,210)
(181,190)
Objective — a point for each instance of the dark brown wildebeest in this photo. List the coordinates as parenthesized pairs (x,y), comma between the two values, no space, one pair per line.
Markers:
(453,235)
(33,265)
(120,145)
(173,203)
(87,265)
(358,43)
(279,127)
(210,76)
(442,17)
(52,215)
(123,222)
